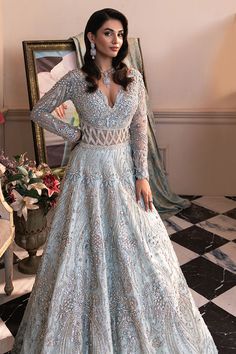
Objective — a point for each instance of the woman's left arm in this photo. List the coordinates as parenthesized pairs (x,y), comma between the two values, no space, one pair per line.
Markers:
(139,144)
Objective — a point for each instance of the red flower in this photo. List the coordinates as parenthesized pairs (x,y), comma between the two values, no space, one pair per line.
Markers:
(2,120)
(52,184)
(11,199)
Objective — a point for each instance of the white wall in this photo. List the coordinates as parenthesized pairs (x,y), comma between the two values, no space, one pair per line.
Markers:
(189,49)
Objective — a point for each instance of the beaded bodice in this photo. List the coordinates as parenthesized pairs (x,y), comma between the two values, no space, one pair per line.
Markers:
(101,124)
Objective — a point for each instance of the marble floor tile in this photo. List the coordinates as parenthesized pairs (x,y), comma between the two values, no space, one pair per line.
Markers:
(220,225)
(206,278)
(227,301)
(198,240)
(216,204)
(23,284)
(231,213)
(199,299)
(15,260)
(222,326)
(22,253)
(18,254)
(195,214)
(190,197)
(12,312)
(211,277)
(233,198)
(183,254)
(174,224)
(225,256)
(6,338)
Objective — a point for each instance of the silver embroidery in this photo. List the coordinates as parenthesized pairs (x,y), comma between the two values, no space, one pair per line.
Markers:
(109,281)
(103,137)
(128,112)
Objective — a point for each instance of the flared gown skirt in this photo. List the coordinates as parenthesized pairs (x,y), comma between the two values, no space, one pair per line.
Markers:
(109,281)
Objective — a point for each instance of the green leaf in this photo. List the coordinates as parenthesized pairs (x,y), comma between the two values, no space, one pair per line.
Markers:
(21,188)
(17,157)
(16,177)
(30,174)
(22,170)
(31,193)
(35,180)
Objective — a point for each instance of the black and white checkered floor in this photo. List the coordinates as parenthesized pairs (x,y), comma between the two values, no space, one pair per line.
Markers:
(204,238)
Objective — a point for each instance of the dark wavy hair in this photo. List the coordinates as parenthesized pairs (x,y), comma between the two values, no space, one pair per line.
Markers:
(93,72)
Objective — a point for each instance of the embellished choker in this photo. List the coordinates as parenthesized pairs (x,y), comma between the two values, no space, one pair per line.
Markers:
(106,76)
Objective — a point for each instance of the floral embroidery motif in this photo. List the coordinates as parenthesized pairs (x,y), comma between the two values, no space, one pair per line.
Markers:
(109,281)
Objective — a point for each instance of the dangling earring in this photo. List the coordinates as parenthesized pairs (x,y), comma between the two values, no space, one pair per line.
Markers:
(93,50)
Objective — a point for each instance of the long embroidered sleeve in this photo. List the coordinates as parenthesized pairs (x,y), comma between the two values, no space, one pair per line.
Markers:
(109,280)
(42,111)
(138,133)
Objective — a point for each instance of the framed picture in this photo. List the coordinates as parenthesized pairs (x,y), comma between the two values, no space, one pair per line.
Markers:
(45,63)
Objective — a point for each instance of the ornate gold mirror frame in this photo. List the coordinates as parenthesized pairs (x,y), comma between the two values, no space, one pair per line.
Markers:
(46,61)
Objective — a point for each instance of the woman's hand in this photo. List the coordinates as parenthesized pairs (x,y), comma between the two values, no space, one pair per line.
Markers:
(61,110)
(143,190)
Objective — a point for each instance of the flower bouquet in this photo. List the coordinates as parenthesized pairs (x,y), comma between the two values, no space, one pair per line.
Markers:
(27,186)
(31,191)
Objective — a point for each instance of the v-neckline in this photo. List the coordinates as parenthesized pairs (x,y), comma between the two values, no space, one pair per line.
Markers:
(105,98)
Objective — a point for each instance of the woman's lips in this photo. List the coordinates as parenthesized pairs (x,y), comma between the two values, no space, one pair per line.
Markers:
(114,49)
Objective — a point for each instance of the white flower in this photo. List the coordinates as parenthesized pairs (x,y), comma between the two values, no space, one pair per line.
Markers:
(38,186)
(2,170)
(22,170)
(22,204)
(39,173)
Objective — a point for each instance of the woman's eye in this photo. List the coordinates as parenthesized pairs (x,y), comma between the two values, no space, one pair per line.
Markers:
(107,33)
(121,34)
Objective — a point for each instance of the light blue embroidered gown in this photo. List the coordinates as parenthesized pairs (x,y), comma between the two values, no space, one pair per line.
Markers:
(109,281)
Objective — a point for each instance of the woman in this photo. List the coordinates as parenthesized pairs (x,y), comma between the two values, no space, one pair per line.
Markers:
(109,281)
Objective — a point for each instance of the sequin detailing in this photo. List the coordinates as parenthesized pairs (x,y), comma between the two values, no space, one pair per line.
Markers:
(109,281)
(128,112)
(103,137)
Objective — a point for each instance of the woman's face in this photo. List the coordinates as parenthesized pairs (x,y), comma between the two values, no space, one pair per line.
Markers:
(109,38)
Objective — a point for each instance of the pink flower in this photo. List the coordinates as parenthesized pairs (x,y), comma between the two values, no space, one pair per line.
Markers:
(52,184)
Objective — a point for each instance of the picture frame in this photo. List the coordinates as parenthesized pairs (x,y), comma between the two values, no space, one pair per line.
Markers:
(46,61)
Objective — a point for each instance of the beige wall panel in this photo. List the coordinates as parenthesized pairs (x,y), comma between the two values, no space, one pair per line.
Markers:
(18,134)
(200,152)
(188,46)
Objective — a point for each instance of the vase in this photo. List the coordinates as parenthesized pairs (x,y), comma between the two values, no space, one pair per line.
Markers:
(30,235)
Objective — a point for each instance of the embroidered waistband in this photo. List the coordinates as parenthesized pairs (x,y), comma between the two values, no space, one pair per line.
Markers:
(103,137)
